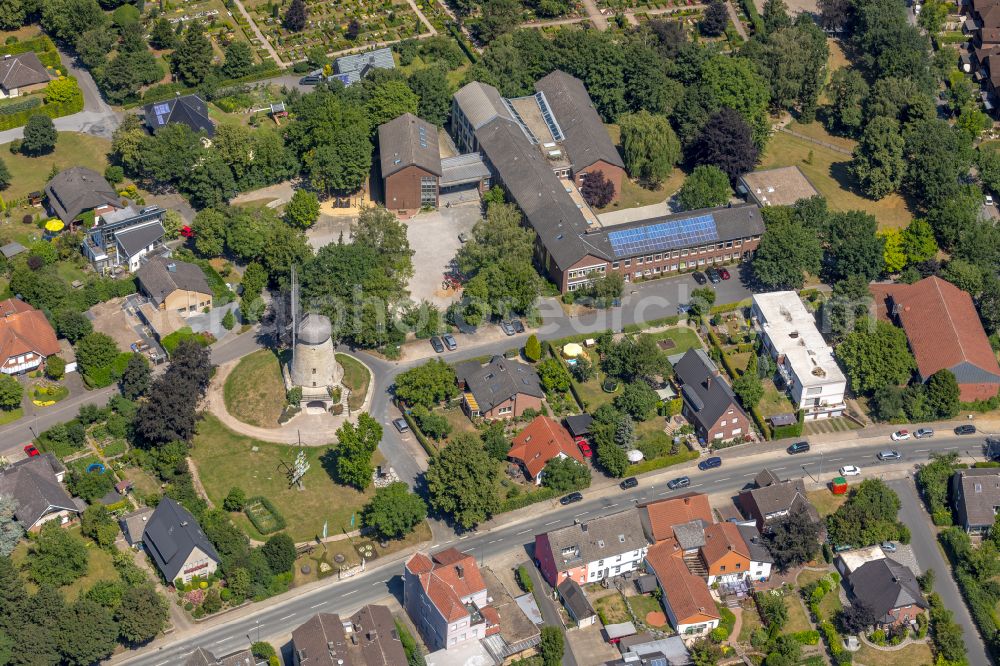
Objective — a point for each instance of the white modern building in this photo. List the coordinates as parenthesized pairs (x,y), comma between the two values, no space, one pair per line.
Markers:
(805,361)
(588,552)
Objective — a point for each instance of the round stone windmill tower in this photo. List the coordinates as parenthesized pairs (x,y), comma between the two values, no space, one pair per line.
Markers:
(314,367)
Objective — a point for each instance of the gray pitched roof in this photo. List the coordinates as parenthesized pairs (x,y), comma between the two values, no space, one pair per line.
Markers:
(597,539)
(23,69)
(79,189)
(171,535)
(766,478)
(160,277)
(703,388)
(408,141)
(575,600)
(498,380)
(788,495)
(323,639)
(755,544)
(134,524)
(463,169)
(587,140)
(976,493)
(202,657)
(690,535)
(33,484)
(135,239)
(480,103)
(884,585)
(579,424)
(189,110)
(12,249)
(356,66)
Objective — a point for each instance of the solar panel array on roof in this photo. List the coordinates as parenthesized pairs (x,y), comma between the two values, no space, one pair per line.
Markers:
(520,121)
(550,120)
(162,111)
(664,236)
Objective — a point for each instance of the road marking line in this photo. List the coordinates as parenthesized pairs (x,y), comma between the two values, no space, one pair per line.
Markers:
(835,459)
(285,618)
(750,474)
(348,593)
(611,505)
(448,541)
(665,493)
(721,480)
(777,469)
(552,523)
(322,603)
(494,541)
(464,536)
(921,450)
(581,514)
(523,532)
(697,485)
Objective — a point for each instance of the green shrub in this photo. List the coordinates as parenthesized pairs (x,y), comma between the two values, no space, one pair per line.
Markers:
(264,524)
(524,580)
(810,637)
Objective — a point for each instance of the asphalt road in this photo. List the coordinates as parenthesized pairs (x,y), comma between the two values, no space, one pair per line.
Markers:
(929,556)
(738,470)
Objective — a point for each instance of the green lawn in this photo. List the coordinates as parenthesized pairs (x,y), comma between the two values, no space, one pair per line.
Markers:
(254,390)
(825,501)
(356,378)
(831,605)
(797,618)
(807,576)
(915,653)
(683,338)
(458,420)
(10,415)
(593,395)
(774,401)
(643,605)
(751,622)
(99,567)
(31,173)
(226,459)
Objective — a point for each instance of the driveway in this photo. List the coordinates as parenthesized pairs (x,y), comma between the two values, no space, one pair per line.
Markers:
(929,556)
(543,594)
(433,237)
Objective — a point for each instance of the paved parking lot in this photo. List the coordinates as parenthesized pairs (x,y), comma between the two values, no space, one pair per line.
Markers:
(433,237)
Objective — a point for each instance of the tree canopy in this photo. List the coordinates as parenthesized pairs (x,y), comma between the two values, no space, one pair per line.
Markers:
(462,480)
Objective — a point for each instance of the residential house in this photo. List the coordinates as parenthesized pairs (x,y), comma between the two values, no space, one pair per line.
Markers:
(510,633)
(853,559)
(26,337)
(688,603)
(78,190)
(976,497)
(445,594)
(890,589)
(36,484)
(645,649)
(244,657)
(774,500)
(541,441)
(133,525)
(350,69)
(121,238)
(22,74)
(660,517)
(776,187)
(501,389)
(189,110)
(177,544)
(177,286)
(411,164)
(761,560)
(944,333)
(593,550)
(367,638)
(577,605)
(725,554)
(709,403)
(805,361)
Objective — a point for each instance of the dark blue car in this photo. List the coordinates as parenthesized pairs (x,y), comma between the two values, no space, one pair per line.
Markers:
(710,463)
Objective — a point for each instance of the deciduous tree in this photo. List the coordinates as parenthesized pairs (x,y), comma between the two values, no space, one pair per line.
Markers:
(355,446)
(649,146)
(431,86)
(462,480)
(279,550)
(141,615)
(786,254)
(876,356)
(394,511)
(136,377)
(565,474)
(707,186)
(597,190)
(11,392)
(58,557)
(714,20)
(95,350)
(726,142)
(302,210)
(941,396)
(793,541)
(638,400)
(40,135)
(426,384)
(296,16)
(878,162)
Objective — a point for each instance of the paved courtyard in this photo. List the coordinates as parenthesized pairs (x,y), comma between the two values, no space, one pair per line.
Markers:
(434,239)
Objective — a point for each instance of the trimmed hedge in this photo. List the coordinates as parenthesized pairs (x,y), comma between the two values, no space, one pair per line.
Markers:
(21,105)
(781,432)
(12,120)
(685,455)
(279,520)
(429,448)
(527,499)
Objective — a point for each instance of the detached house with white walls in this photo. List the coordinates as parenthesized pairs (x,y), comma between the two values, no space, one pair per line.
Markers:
(594,550)
(177,544)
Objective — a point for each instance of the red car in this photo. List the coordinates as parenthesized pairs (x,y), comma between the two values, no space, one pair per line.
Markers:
(30,450)
(724,274)
(584,447)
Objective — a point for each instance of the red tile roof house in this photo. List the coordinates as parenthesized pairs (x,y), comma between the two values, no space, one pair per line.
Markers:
(541,441)
(686,598)
(26,337)
(592,551)
(445,596)
(944,332)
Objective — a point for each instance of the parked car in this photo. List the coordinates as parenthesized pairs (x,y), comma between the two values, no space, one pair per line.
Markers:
(888,546)
(518,325)
(888,454)
(713,276)
(401,425)
(989,199)
(507,327)
(900,436)
(710,463)
(584,446)
(724,273)
(436,343)
(798,447)
(850,470)
(699,277)
(630,482)
(571,498)
(310,79)
(679,482)
(965,430)
(449,342)
(923,433)
(30,450)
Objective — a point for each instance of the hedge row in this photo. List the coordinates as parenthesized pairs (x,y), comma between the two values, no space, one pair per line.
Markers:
(470,52)
(781,432)
(527,499)
(25,104)
(12,120)
(279,520)
(980,602)
(42,46)
(751,9)
(163,91)
(429,448)
(572,382)
(683,456)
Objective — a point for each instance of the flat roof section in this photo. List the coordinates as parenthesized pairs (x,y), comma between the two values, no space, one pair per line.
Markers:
(778,187)
(792,332)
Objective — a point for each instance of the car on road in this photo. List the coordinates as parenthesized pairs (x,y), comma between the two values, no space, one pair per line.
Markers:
(518,325)
(922,433)
(699,277)
(679,482)
(713,276)
(798,447)
(507,327)
(965,430)
(888,546)
(888,454)
(310,80)
(401,424)
(436,343)
(584,446)
(571,498)
(710,463)
(724,273)
(449,342)
(850,470)
(30,450)
(630,482)
(989,199)
(900,436)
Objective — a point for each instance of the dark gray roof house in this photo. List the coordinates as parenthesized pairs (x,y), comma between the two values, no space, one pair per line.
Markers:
(775,500)
(136,239)
(886,585)
(133,525)
(755,544)
(189,110)
(408,141)
(579,424)
(35,483)
(159,277)
(22,70)
(976,497)
(498,380)
(706,394)
(77,190)
(575,601)
(173,536)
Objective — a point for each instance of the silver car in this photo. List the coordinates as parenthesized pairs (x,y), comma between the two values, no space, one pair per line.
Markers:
(889,454)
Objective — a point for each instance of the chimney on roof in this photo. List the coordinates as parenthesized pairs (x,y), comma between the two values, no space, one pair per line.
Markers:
(583,526)
(172,267)
(460,571)
(708,383)
(687,500)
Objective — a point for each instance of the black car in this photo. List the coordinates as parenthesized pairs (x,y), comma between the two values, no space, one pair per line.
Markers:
(571,498)
(436,343)
(699,277)
(713,276)
(401,425)
(679,482)
(630,482)
(683,308)
(798,447)
(518,325)
(965,430)
(449,342)
(710,463)
(507,327)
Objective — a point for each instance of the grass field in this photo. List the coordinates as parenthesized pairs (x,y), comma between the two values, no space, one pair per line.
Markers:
(642,605)
(226,459)
(826,169)
(683,338)
(774,401)
(751,622)
(825,501)
(356,378)
(797,618)
(31,173)
(807,576)
(613,608)
(10,415)
(915,653)
(254,391)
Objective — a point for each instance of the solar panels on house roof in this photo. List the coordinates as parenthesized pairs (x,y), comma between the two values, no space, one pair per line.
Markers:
(162,112)
(688,232)
(550,120)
